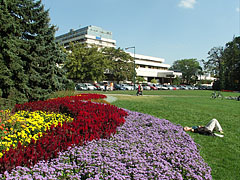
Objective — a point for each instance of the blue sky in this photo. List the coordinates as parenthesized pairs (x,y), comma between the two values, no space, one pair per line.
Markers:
(169,29)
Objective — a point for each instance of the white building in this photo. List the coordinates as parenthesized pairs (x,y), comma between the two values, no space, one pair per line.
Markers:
(150,68)
(147,67)
(89,35)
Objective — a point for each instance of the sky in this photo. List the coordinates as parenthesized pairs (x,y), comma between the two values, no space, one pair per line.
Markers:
(169,29)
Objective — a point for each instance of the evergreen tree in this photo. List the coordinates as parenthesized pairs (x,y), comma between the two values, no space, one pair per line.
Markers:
(29,55)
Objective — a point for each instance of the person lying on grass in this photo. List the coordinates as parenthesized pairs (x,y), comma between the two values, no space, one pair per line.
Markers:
(209,129)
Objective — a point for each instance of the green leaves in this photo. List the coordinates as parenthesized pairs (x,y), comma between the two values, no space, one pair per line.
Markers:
(119,63)
(224,63)
(85,63)
(28,53)
(188,67)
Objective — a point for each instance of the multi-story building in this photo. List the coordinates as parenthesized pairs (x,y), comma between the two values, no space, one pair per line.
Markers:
(147,67)
(150,68)
(89,35)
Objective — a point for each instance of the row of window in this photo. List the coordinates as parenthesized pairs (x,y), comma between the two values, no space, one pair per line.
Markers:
(152,67)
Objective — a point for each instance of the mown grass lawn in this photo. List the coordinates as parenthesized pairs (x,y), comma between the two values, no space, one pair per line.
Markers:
(189,108)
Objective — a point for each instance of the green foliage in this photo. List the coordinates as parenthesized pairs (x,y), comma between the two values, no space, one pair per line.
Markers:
(61,94)
(177,81)
(140,79)
(28,53)
(189,69)
(85,63)
(119,64)
(231,57)
(154,81)
(214,62)
(224,63)
(70,85)
(205,81)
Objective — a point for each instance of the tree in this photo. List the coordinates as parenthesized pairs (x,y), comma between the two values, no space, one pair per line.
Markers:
(28,55)
(177,81)
(140,79)
(214,61)
(154,81)
(231,56)
(120,64)
(215,65)
(85,63)
(188,67)
(224,63)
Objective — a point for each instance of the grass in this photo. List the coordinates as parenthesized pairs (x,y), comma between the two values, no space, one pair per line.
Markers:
(189,108)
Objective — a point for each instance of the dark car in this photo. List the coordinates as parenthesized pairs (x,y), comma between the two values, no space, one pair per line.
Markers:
(118,87)
(80,87)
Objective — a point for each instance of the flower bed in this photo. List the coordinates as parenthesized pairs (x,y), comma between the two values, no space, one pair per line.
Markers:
(145,147)
(90,121)
(24,126)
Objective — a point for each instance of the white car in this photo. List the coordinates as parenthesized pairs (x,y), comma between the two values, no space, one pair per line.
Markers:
(127,87)
(90,86)
(167,87)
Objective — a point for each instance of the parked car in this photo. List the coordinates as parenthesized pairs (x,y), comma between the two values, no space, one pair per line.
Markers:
(99,86)
(181,87)
(167,87)
(127,87)
(80,87)
(175,87)
(104,85)
(118,87)
(153,87)
(89,86)
(159,86)
(146,87)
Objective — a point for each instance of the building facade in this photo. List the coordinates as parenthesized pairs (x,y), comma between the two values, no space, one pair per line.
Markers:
(150,68)
(89,35)
(147,67)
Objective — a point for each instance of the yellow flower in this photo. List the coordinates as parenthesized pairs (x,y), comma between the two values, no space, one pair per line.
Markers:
(30,125)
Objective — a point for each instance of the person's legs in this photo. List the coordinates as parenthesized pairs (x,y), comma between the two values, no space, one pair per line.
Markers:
(214,125)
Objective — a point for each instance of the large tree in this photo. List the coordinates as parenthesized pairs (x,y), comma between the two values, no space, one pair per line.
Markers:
(231,56)
(215,65)
(85,63)
(224,64)
(28,53)
(189,69)
(120,64)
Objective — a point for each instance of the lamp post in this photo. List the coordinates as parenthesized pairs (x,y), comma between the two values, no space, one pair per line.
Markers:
(134,73)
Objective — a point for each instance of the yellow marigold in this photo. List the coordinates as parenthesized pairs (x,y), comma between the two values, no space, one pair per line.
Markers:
(30,125)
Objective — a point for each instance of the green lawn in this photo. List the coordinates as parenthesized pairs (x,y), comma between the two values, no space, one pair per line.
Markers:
(189,108)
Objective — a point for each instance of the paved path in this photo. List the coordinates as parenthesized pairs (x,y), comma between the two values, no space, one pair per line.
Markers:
(111,98)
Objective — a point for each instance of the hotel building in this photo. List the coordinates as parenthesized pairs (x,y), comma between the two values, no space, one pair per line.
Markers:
(147,67)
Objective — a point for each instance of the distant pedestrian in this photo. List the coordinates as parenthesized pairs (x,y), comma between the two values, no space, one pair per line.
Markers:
(139,90)
(111,86)
(105,86)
